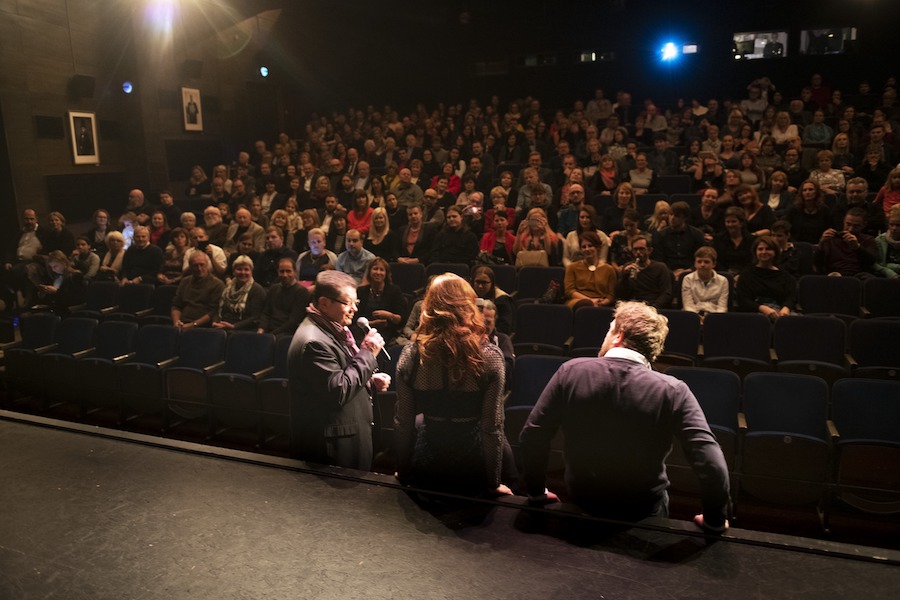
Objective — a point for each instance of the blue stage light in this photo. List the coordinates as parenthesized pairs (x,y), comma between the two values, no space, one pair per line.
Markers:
(264,71)
(669,51)
(127,87)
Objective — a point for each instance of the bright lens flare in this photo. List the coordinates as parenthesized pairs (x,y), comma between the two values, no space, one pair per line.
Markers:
(160,15)
(669,51)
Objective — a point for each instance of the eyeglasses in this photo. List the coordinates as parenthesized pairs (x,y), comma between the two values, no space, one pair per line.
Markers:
(348,303)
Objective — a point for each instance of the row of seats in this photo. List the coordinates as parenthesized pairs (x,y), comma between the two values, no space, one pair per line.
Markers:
(225,380)
(741,342)
(788,439)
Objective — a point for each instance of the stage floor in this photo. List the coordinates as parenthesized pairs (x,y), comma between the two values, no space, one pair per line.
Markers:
(89,517)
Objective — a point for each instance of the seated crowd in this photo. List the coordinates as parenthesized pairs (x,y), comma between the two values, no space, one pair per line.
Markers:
(482,186)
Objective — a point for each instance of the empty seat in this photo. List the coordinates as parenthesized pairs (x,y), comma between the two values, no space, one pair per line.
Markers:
(409,276)
(134,302)
(533,282)
(530,377)
(99,301)
(874,348)
(589,328)
(57,368)
(161,313)
(810,345)
(460,269)
(199,351)
(21,368)
(866,414)
(719,394)
(786,447)
(683,340)
(738,342)
(882,297)
(139,379)
(543,329)
(97,371)
(839,296)
(231,389)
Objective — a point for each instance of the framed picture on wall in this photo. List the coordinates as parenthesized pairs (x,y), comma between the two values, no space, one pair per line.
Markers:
(83,127)
(193,113)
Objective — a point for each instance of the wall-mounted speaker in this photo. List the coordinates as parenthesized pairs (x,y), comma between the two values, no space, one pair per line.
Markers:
(49,128)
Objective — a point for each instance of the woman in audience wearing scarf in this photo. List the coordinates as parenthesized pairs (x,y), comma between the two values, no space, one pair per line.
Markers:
(242,299)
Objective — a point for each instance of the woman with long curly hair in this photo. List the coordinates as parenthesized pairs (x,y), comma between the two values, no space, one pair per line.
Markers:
(454,376)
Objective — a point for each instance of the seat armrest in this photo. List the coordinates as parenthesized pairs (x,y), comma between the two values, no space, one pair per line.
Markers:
(773,356)
(8,345)
(851,361)
(83,353)
(567,345)
(742,422)
(144,313)
(262,373)
(46,349)
(213,367)
(833,432)
(168,362)
(122,358)
(109,310)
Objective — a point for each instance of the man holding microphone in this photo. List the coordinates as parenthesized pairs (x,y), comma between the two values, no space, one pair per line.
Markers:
(331,379)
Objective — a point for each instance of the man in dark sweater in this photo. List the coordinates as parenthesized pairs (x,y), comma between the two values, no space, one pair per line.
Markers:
(286,302)
(645,280)
(618,417)
(142,260)
(849,251)
(675,245)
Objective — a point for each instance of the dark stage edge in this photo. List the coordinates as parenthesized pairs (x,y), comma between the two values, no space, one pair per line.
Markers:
(89,513)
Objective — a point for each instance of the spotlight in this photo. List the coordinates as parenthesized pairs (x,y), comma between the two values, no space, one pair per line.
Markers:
(264,71)
(669,51)
(127,87)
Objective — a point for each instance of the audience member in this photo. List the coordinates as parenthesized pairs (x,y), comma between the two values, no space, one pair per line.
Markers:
(589,282)
(454,243)
(242,299)
(142,260)
(809,216)
(61,287)
(485,285)
(381,300)
(316,259)
(763,287)
(675,245)
(196,301)
(644,279)
(355,259)
(849,251)
(703,290)
(887,263)
(286,301)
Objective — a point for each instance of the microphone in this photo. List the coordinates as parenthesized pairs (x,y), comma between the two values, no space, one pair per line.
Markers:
(363,323)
